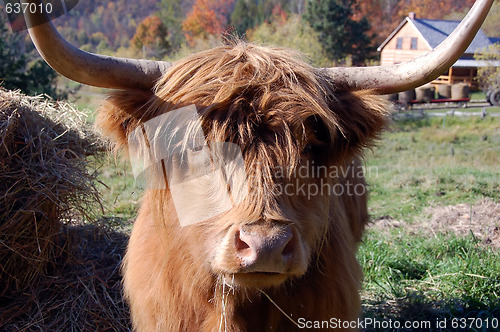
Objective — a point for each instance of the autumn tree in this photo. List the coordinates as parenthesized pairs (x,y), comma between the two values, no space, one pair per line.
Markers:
(99,41)
(251,13)
(431,9)
(279,14)
(340,34)
(489,76)
(116,19)
(491,26)
(382,16)
(207,17)
(151,35)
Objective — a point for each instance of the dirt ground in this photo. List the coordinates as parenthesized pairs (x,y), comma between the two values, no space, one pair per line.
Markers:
(481,219)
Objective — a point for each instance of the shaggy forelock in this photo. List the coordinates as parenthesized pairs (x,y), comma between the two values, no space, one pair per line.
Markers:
(257,97)
(267,100)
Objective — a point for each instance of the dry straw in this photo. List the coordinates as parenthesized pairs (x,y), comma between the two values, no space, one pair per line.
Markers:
(81,293)
(43,182)
(50,268)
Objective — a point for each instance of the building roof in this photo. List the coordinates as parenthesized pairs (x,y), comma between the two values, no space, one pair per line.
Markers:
(494,40)
(470,63)
(435,31)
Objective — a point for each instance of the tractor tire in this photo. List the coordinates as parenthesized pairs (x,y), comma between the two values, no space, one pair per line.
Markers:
(494,97)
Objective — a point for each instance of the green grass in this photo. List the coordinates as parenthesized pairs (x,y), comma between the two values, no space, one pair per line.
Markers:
(120,194)
(417,277)
(444,266)
(477,95)
(414,278)
(421,163)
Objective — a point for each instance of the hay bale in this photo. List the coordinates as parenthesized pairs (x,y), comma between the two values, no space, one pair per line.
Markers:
(83,292)
(44,183)
(444,91)
(393,97)
(425,93)
(406,96)
(460,91)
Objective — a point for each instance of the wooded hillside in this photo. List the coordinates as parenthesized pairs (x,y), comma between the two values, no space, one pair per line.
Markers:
(112,24)
(330,32)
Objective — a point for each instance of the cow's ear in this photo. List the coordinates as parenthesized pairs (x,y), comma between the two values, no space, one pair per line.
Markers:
(361,117)
(120,114)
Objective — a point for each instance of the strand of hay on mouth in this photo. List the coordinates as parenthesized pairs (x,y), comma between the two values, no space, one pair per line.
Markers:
(44,183)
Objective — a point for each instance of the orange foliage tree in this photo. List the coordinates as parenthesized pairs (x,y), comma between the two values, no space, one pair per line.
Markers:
(278,14)
(385,15)
(150,33)
(382,15)
(207,17)
(432,9)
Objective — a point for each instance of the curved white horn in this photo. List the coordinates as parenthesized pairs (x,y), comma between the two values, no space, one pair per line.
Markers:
(88,68)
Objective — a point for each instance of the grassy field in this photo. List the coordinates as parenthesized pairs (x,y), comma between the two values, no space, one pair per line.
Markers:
(416,275)
(410,274)
(431,161)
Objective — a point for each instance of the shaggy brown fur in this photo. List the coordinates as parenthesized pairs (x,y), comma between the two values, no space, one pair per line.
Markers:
(283,114)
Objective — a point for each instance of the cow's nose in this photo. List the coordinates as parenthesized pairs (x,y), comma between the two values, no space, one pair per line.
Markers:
(261,249)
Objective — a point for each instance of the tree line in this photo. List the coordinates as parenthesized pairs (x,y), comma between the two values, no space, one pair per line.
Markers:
(330,32)
(347,29)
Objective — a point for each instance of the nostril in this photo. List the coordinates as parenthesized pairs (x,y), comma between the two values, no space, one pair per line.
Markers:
(289,248)
(245,248)
(239,244)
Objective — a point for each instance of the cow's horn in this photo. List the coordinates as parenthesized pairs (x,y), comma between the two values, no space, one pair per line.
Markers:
(88,68)
(400,77)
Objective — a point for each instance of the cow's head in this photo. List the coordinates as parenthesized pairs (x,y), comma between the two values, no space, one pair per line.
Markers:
(286,119)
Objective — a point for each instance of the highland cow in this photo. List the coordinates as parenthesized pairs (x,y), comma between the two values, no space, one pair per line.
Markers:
(284,253)
(300,248)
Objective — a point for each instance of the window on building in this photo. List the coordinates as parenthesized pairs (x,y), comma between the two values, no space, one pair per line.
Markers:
(399,44)
(414,43)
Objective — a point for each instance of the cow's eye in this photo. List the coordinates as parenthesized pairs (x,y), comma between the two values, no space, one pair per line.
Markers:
(196,148)
(308,148)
